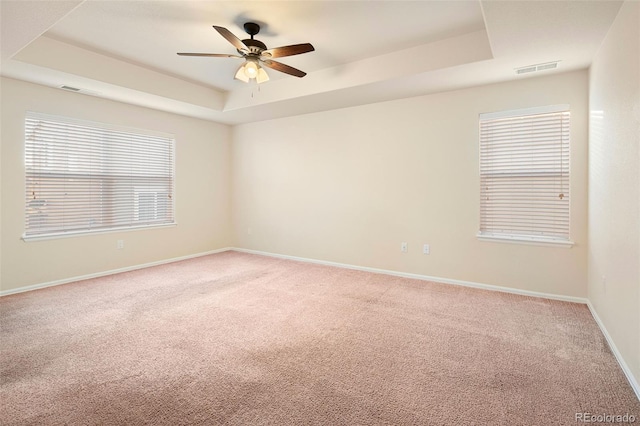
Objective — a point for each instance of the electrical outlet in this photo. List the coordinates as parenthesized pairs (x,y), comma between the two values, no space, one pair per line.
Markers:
(248,231)
(426,249)
(120,244)
(404,247)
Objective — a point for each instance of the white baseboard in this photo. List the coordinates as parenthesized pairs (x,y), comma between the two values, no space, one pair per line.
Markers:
(627,371)
(632,380)
(421,277)
(105,273)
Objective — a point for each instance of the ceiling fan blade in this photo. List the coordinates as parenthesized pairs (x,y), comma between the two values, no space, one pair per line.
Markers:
(279,66)
(211,55)
(294,49)
(237,43)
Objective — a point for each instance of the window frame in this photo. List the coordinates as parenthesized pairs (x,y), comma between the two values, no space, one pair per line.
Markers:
(99,126)
(525,238)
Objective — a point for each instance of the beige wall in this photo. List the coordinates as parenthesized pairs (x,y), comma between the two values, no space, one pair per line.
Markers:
(350,185)
(202,192)
(614,184)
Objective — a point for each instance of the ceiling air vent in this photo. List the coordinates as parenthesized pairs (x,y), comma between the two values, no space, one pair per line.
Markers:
(537,67)
(72,89)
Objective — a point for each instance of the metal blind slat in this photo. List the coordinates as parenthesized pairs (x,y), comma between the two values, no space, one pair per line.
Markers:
(83,178)
(524,175)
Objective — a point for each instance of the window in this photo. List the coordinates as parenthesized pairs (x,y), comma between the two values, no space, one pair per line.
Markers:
(87,177)
(524,175)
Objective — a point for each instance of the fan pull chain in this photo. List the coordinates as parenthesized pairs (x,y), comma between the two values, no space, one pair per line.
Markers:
(253,91)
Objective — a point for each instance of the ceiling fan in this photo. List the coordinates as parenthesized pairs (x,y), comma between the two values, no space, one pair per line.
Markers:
(255,54)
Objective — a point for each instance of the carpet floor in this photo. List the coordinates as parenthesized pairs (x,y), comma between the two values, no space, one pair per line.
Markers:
(240,339)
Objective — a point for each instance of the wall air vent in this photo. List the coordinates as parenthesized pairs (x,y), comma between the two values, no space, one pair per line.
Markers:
(71,89)
(525,70)
(537,67)
(78,90)
(549,66)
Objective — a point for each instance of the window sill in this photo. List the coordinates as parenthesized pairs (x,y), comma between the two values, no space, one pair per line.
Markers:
(70,234)
(525,240)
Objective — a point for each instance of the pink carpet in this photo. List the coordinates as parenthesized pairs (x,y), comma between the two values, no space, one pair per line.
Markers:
(239,339)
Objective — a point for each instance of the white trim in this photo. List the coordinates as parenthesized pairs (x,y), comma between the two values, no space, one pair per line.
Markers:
(625,368)
(524,240)
(629,375)
(472,284)
(632,381)
(623,365)
(549,109)
(87,232)
(105,273)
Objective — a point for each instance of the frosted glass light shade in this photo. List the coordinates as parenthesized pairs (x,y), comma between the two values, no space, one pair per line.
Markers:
(240,75)
(262,75)
(250,69)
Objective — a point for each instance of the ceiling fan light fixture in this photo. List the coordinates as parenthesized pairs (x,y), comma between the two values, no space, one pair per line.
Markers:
(250,69)
(262,75)
(240,75)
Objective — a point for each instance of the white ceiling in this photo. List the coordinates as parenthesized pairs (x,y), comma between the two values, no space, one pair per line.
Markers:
(366,51)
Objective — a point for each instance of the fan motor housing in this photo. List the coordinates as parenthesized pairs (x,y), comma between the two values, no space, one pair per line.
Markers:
(255,46)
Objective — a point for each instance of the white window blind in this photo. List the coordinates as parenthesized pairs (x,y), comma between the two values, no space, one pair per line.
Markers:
(524,174)
(87,177)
